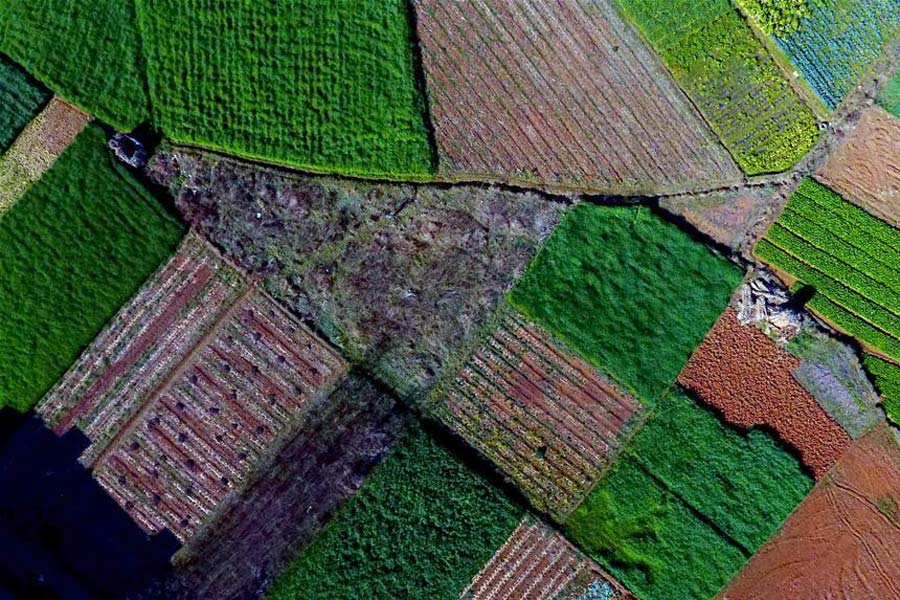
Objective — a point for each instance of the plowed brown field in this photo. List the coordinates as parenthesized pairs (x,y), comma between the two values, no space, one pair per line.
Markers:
(865,169)
(563,93)
(745,374)
(843,541)
(543,415)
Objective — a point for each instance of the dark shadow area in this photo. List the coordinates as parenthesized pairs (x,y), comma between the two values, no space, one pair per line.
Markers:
(803,295)
(61,535)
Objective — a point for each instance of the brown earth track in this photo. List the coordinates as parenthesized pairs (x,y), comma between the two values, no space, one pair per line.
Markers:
(865,168)
(843,541)
(536,563)
(742,372)
(545,417)
(562,93)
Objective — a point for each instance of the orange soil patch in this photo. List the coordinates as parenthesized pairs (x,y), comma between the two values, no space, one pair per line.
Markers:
(865,169)
(843,541)
(745,374)
(564,93)
(541,414)
(537,563)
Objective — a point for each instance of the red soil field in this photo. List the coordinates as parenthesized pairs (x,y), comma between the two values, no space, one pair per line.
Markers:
(544,416)
(563,93)
(536,563)
(843,541)
(188,389)
(865,169)
(745,374)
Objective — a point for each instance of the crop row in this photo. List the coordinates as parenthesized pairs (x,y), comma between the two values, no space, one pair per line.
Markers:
(887,381)
(846,255)
(738,87)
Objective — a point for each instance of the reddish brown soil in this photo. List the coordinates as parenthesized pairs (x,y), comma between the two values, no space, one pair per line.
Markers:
(561,92)
(865,168)
(536,563)
(843,541)
(745,374)
(543,415)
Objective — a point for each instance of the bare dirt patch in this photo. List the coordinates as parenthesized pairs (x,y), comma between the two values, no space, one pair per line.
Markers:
(745,374)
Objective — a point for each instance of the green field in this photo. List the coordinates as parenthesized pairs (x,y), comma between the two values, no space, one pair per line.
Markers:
(629,291)
(20,99)
(75,248)
(887,382)
(328,86)
(848,256)
(87,52)
(421,527)
(714,56)
(890,95)
(687,503)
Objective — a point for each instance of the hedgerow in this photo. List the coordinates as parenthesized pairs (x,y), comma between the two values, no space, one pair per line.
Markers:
(629,291)
(20,100)
(328,86)
(87,52)
(76,247)
(422,526)
(779,17)
(736,84)
(887,381)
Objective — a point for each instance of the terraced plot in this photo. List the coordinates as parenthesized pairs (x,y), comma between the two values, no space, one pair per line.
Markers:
(544,416)
(848,256)
(865,168)
(735,83)
(560,93)
(20,98)
(187,389)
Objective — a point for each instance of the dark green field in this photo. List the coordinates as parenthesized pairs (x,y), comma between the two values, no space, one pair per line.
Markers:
(629,291)
(75,248)
(421,527)
(20,99)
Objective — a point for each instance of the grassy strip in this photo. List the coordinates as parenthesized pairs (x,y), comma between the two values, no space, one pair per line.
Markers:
(421,526)
(75,248)
(630,292)
(87,52)
(890,95)
(887,381)
(20,99)
(322,86)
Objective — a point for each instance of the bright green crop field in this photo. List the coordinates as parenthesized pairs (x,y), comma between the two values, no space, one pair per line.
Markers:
(327,86)
(887,382)
(75,248)
(723,67)
(848,256)
(688,502)
(87,52)
(20,99)
(629,291)
(421,527)
(890,95)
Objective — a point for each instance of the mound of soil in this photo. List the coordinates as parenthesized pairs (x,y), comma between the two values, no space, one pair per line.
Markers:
(743,373)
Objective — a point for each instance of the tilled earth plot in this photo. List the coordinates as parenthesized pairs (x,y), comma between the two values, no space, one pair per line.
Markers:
(865,169)
(843,541)
(397,276)
(560,93)
(543,415)
(187,390)
(742,372)
(537,563)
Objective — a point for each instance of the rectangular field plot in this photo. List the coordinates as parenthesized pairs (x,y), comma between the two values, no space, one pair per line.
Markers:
(20,99)
(735,83)
(835,46)
(865,169)
(544,416)
(560,93)
(537,563)
(324,86)
(848,256)
(187,389)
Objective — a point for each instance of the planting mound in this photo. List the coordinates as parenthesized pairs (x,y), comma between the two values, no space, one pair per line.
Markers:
(561,93)
(544,416)
(537,563)
(843,541)
(865,168)
(742,372)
